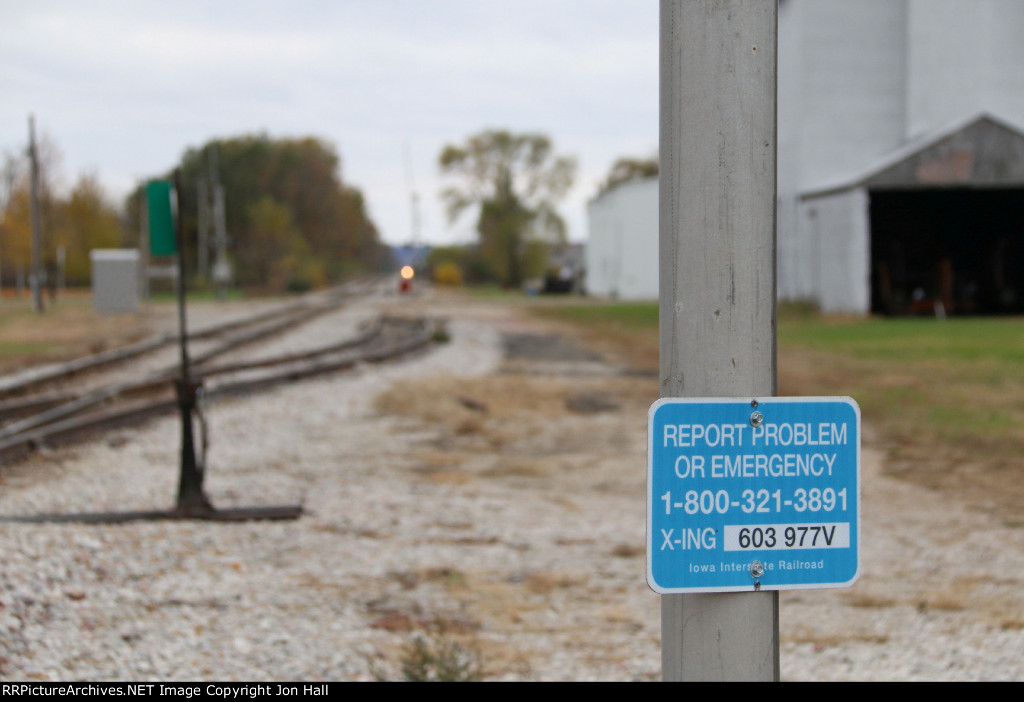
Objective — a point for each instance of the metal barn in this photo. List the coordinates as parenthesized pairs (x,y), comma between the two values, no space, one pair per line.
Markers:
(900,163)
(938,227)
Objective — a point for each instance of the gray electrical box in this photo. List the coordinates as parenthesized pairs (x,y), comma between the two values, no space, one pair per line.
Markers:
(115,280)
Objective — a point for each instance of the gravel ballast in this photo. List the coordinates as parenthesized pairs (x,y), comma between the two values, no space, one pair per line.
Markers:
(526,552)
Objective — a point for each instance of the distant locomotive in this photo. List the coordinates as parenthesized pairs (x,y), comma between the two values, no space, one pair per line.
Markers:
(405,283)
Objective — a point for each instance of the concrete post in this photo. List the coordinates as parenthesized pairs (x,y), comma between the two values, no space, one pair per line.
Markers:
(35,276)
(717,277)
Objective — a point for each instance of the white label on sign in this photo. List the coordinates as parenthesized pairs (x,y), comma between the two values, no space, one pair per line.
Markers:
(785,537)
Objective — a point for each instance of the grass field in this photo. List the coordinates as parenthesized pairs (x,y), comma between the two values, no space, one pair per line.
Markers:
(944,399)
(67,328)
(619,316)
(70,327)
(233,295)
(960,368)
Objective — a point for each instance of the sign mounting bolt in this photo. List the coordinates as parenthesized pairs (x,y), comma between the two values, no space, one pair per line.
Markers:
(756,569)
(756,418)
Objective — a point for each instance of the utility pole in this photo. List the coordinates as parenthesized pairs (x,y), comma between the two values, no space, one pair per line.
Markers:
(717,278)
(143,244)
(414,198)
(221,267)
(35,279)
(203,248)
(62,258)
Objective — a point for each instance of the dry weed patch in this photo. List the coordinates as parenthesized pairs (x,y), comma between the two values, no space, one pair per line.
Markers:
(991,596)
(821,641)
(68,329)
(619,615)
(440,476)
(868,600)
(945,601)
(449,577)
(442,468)
(437,399)
(393,621)
(444,524)
(505,601)
(518,468)
(526,421)
(629,550)
(439,460)
(545,583)
(565,503)
(439,650)
(315,583)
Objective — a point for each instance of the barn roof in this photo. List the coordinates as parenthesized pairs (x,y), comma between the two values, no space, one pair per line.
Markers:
(982,152)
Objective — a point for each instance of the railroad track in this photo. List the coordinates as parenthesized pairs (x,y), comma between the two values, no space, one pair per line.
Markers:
(65,415)
(21,392)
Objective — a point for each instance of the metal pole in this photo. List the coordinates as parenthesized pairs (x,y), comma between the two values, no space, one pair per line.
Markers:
(35,278)
(182,290)
(221,274)
(221,270)
(143,244)
(192,500)
(203,247)
(62,258)
(717,277)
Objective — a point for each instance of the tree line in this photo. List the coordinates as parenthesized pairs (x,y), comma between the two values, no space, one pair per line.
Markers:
(73,223)
(292,222)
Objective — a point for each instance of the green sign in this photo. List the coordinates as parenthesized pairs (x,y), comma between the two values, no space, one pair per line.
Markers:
(162,241)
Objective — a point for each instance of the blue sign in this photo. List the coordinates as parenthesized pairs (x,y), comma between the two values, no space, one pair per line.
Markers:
(750,495)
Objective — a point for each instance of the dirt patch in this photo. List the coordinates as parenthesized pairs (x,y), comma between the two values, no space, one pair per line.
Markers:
(528,429)
(587,402)
(545,347)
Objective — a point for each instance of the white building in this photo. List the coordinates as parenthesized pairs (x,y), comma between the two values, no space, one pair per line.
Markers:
(622,250)
(900,155)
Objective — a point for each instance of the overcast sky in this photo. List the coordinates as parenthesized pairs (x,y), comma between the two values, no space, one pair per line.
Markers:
(123,88)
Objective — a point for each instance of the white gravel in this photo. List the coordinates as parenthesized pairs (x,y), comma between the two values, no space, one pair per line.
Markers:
(527,567)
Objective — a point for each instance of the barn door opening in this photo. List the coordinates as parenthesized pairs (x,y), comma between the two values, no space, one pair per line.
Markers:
(947,251)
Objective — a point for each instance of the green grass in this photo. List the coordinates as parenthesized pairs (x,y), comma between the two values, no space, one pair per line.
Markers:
(991,342)
(233,295)
(493,292)
(910,341)
(953,383)
(629,315)
(18,349)
(957,382)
